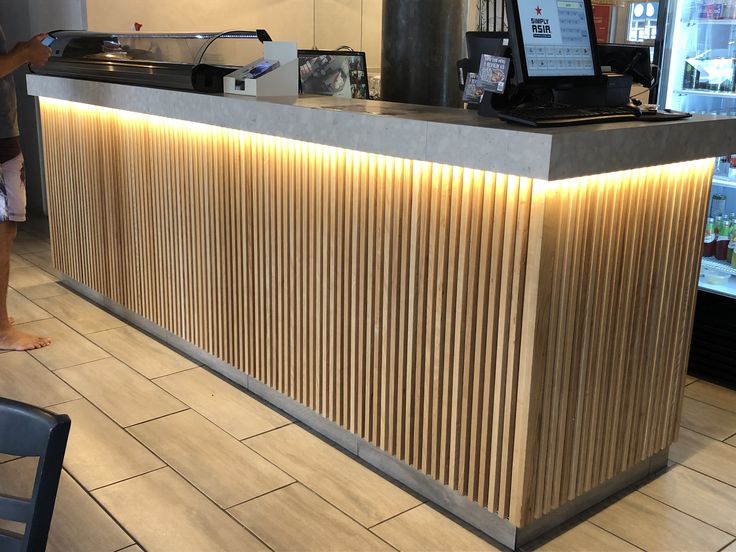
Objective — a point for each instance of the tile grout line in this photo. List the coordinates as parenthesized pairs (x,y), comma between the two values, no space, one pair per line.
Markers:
(710,404)
(704,435)
(107,485)
(685,513)
(84,396)
(590,520)
(185,409)
(218,426)
(109,354)
(73,330)
(396,515)
(703,473)
(102,507)
(729,544)
(172,373)
(282,487)
(318,494)
(262,433)
(682,424)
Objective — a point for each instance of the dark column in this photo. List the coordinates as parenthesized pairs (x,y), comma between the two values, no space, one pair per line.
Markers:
(422,42)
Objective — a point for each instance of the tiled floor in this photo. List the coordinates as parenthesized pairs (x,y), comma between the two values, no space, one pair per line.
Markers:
(164,455)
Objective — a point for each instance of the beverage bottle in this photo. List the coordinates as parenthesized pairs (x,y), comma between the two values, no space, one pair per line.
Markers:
(722,240)
(732,243)
(709,242)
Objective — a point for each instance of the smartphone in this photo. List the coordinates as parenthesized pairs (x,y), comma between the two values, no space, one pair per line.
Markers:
(48,41)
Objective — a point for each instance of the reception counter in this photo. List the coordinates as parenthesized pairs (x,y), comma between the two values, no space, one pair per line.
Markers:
(497,317)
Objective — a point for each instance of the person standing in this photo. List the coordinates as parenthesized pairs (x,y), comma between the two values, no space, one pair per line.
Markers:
(12,180)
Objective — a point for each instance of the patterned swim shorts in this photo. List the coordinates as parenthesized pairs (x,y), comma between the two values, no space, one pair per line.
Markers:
(13,190)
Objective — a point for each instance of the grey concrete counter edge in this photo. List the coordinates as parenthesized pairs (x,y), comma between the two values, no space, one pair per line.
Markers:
(451,136)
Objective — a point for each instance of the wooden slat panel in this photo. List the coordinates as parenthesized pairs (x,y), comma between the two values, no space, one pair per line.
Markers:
(515,339)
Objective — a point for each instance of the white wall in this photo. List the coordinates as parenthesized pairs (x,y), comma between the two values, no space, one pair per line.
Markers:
(325,24)
(22,19)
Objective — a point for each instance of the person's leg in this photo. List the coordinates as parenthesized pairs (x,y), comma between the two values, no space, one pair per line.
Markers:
(12,210)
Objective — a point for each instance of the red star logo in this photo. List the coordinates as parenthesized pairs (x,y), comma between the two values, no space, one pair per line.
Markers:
(539,10)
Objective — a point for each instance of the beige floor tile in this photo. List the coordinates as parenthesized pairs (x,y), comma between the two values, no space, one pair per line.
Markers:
(705,455)
(716,395)
(120,392)
(6,458)
(586,537)
(709,420)
(335,476)
(134,548)
(67,348)
(732,441)
(24,379)
(35,283)
(16,262)
(295,518)
(216,463)
(99,452)
(696,494)
(690,379)
(730,548)
(140,352)
(654,526)
(79,313)
(43,260)
(164,512)
(424,529)
(78,524)
(25,243)
(23,309)
(223,404)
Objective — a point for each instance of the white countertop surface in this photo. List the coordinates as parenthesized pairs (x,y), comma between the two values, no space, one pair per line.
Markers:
(442,135)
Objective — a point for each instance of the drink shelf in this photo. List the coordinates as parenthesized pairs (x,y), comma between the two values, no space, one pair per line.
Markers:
(711,93)
(724,181)
(709,22)
(711,263)
(727,289)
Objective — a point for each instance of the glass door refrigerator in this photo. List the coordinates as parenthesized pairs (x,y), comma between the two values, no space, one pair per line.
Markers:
(698,75)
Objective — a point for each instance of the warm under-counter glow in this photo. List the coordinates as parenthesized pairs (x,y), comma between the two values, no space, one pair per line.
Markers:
(520,341)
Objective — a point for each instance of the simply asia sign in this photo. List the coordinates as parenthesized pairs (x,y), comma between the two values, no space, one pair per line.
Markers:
(540,21)
(540,26)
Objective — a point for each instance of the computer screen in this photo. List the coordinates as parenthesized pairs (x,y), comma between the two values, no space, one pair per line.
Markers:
(484,42)
(339,73)
(631,59)
(553,40)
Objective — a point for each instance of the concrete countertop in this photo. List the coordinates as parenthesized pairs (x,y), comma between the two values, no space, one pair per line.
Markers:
(442,135)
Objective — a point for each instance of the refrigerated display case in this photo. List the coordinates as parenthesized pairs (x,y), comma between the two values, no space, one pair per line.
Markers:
(185,61)
(699,75)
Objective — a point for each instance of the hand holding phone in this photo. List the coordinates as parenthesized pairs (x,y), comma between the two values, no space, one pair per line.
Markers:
(36,51)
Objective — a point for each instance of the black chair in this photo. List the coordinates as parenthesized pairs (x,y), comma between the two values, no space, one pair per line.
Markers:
(26,430)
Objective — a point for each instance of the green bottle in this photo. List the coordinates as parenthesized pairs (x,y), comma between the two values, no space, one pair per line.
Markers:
(709,243)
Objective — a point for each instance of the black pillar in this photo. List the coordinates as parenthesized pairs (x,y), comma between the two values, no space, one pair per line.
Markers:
(422,42)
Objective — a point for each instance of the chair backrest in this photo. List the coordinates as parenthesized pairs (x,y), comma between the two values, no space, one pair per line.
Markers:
(27,430)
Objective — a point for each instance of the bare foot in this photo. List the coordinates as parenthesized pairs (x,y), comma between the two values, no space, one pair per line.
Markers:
(14,340)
